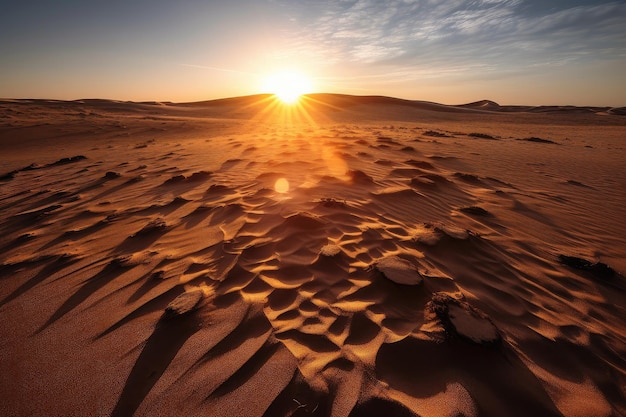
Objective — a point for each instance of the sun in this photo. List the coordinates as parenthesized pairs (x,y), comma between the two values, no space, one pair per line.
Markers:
(287,86)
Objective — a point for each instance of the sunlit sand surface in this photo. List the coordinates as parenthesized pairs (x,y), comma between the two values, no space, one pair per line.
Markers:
(343,256)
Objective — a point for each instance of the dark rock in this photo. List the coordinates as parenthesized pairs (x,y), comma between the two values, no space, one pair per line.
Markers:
(460,319)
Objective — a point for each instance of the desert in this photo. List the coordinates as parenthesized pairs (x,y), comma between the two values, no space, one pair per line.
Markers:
(342,256)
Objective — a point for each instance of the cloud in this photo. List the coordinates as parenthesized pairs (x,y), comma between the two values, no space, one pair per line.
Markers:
(487,35)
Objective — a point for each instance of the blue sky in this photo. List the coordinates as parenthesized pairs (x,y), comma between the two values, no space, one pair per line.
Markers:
(453,51)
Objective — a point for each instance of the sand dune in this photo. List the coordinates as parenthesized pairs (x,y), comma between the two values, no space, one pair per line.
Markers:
(356,256)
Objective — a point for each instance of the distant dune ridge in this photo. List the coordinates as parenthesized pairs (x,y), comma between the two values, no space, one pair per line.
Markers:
(352,256)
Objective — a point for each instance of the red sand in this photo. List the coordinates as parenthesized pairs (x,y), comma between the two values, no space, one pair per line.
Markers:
(220,259)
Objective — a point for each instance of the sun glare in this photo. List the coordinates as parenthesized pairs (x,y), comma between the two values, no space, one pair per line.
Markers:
(281,186)
(288,86)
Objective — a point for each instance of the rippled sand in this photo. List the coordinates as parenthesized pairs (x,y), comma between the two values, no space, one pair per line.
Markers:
(348,257)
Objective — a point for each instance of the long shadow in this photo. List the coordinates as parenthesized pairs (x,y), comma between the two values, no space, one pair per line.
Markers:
(139,241)
(60,197)
(381,407)
(197,216)
(149,282)
(108,273)
(55,266)
(162,346)
(179,184)
(106,192)
(253,325)
(156,303)
(8,270)
(496,379)
(298,399)
(92,186)
(74,235)
(247,370)
(27,193)
(34,216)
(162,209)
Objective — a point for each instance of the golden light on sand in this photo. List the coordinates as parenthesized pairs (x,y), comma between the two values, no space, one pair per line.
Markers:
(294,238)
(288,86)
(281,185)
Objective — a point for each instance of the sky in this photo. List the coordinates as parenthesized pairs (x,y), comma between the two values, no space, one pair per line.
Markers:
(448,51)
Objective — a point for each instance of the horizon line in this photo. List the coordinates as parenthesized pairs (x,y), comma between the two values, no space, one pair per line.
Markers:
(475,102)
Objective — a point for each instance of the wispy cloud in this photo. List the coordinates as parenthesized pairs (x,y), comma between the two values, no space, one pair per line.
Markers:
(437,35)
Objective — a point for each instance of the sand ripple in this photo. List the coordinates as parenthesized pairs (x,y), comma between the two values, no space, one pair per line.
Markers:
(404,287)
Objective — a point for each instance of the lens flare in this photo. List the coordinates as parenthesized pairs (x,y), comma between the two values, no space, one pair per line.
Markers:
(281,186)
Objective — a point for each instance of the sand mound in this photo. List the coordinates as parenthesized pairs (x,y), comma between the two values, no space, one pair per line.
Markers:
(184,303)
(373,257)
(399,271)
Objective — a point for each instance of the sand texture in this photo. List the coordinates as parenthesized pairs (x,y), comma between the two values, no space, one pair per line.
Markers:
(354,256)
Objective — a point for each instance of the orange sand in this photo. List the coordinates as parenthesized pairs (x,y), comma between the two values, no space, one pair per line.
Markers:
(228,258)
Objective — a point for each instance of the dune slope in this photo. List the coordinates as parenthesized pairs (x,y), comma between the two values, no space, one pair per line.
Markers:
(350,257)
